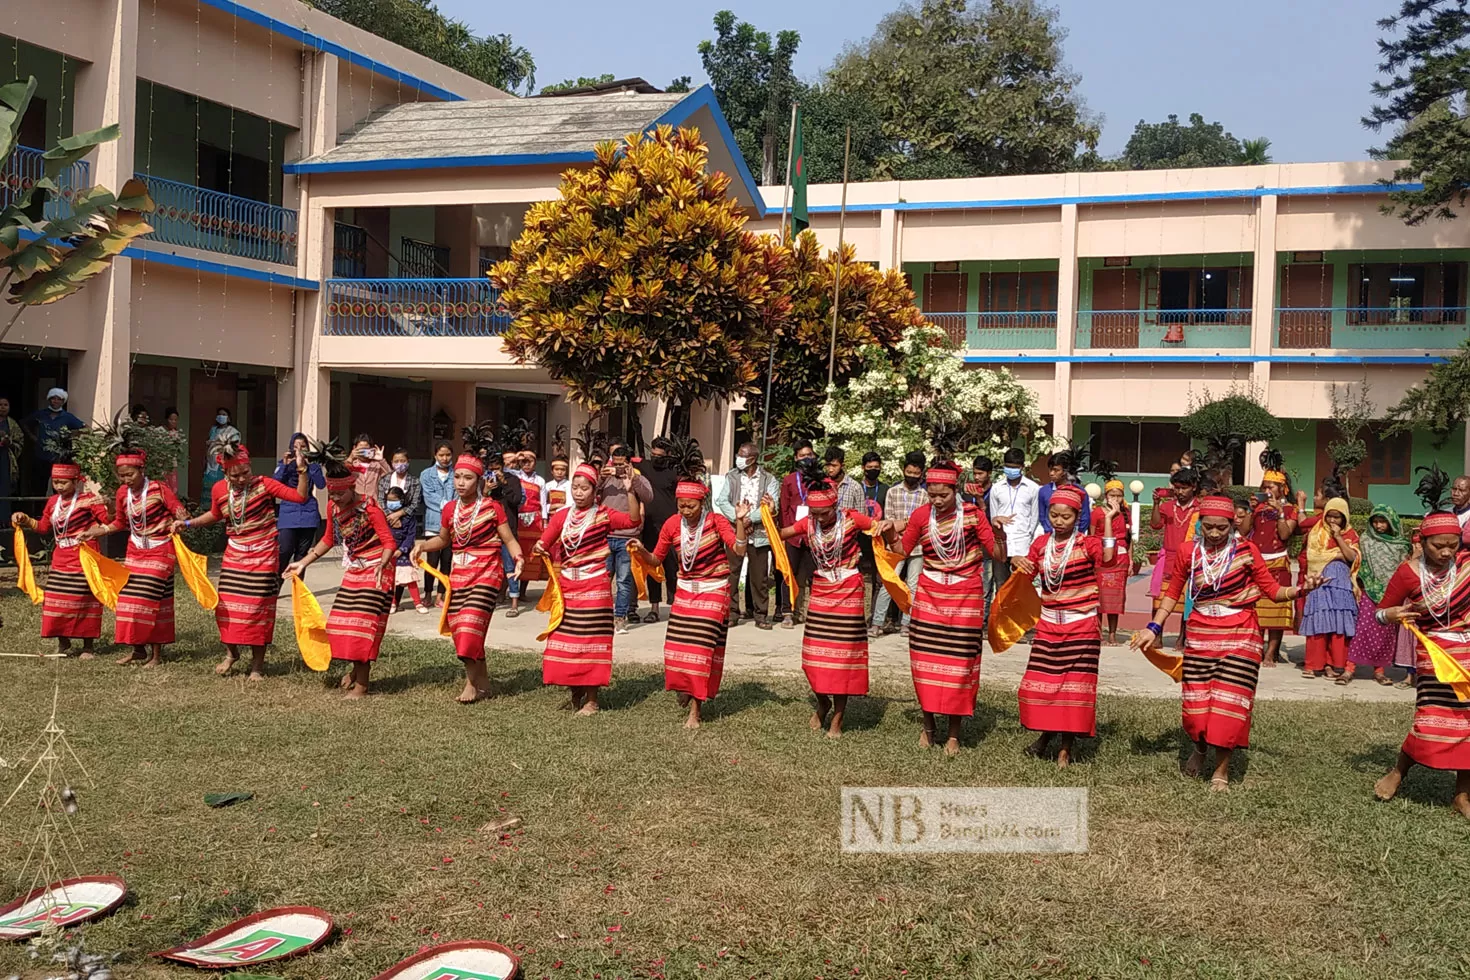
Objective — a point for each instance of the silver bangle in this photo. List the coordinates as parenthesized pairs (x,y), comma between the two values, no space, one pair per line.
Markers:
(1110,542)
(1381,616)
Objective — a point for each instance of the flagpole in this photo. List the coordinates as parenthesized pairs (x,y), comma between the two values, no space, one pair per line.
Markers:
(771,362)
(837,276)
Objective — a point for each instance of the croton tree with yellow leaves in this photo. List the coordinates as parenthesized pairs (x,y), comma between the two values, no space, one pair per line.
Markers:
(641,280)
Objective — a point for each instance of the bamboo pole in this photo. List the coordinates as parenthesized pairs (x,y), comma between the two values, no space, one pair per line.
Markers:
(837,276)
(771,361)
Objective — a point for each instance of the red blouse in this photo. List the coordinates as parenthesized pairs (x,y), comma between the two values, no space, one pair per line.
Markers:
(854,523)
(483,533)
(1240,586)
(592,549)
(1077,591)
(78,513)
(710,559)
(1263,528)
(979,540)
(254,512)
(1120,530)
(1176,522)
(151,516)
(1403,588)
(363,531)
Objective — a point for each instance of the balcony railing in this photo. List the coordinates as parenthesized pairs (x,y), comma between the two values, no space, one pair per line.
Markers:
(1371,328)
(25,167)
(1027,330)
(204,219)
(1164,329)
(349,251)
(413,308)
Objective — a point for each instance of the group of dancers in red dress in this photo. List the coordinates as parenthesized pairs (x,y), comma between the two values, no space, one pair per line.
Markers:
(1219,575)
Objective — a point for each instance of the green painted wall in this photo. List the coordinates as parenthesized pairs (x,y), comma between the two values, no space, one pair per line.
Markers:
(171,124)
(918,270)
(416,223)
(1382,337)
(55,82)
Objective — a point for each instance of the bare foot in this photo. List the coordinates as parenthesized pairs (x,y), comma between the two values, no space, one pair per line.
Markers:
(1192,765)
(1461,803)
(590,708)
(817,722)
(153,661)
(684,697)
(87,655)
(255,675)
(225,666)
(128,658)
(691,722)
(1037,748)
(1064,758)
(1387,786)
(1219,784)
(346,681)
(470,694)
(835,732)
(926,739)
(952,747)
(355,692)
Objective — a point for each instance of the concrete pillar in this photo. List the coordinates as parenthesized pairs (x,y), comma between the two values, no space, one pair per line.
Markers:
(106,92)
(311,387)
(888,233)
(454,226)
(1066,318)
(1263,306)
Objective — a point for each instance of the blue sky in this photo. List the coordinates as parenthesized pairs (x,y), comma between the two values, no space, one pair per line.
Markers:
(1296,71)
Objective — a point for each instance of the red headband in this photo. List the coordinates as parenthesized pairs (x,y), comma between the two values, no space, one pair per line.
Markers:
(470,463)
(822,498)
(1440,523)
(242,455)
(1217,507)
(943,475)
(587,472)
(66,471)
(692,490)
(132,457)
(1068,497)
(336,484)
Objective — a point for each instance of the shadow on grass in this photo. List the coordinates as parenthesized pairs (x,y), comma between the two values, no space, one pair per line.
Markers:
(973,731)
(735,698)
(628,692)
(865,713)
(1428,787)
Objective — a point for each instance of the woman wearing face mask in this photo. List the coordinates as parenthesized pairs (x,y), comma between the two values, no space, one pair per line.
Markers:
(1224,576)
(399,476)
(222,430)
(1058,693)
(436,486)
(1433,593)
(405,534)
(249,579)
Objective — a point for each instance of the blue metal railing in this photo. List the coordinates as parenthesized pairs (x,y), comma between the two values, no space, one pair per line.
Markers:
(1370,327)
(349,251)
(1024,330)
(1164,329)
(204,219)
(25,167)
(413,308)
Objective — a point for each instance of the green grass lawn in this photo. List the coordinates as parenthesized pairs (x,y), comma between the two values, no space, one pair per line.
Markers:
(649,851)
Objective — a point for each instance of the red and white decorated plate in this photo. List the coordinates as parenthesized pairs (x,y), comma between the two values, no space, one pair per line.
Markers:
(470,959)
(263,937)
(65,903)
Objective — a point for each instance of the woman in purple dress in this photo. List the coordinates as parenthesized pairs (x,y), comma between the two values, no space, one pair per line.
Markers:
(1384,549)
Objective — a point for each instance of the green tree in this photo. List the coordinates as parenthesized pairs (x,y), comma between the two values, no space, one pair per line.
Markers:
(1167,144)
(1225,425)
(419,26)
(1256,152)
(754,83)
(641,281)
(1439,404)
(826,112)
(683,83)
(965,92)
(579,82)
(1422,101)
(45,260)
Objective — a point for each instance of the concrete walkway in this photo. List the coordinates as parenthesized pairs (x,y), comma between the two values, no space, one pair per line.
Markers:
(1122,671)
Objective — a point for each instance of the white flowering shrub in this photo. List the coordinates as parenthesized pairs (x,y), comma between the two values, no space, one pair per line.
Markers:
(930,394)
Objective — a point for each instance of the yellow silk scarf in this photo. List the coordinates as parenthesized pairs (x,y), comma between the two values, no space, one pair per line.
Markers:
(1015,610)
(888,562)
(778,551)
(1170,663)
(311,626)
(1447,670)
(25,576)
(105,577)
(443,579)
(642,574)
(551,601)
(196,575)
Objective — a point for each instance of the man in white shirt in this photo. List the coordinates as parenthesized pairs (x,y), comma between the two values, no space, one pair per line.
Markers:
(748,483)
(559,487)
(1013,506)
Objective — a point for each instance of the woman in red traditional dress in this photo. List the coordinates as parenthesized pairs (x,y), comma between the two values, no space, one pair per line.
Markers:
(249,578)
(834,643)
(947,627)
(702,542)
(146,509)
(474,528)
(1112,578)
(70,611)
(1058,693)
(1433,593)
(579,651)
(1272,524)
(359,615)
(1225,576)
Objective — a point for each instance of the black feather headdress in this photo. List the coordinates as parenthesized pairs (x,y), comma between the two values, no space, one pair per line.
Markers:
(226,446)
(330,455)
(1079,457)
(1432,486)
(479,441)
(1272,459)
(687,458)
(813,474)
(559,443)
(1105,469)
(946,442)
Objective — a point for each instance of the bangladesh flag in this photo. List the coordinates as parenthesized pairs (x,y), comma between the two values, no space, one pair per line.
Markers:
(797,178)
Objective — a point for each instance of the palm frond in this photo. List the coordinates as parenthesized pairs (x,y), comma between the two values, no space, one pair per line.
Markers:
(479,440)
(330,455)
(1432,486)
(1080,456)
(1105,469)
(686,457)
(515,436)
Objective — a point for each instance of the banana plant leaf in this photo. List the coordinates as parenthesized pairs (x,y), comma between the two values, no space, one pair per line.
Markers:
(14,97)
(226,799)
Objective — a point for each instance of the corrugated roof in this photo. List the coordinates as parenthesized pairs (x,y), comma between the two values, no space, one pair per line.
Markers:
(502,127)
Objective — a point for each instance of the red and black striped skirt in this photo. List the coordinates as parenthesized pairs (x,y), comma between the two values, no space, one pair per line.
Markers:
(834,645)
(533,569)
(1222,662)
(694,647)
(946,631)
(1058,692)
(70,609)
(359,615)
(580,652)
(474,589)
(1440,736)
(145,606)
(249,585)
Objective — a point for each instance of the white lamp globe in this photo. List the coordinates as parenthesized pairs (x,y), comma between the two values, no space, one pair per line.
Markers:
(1136,487)
(1094,491)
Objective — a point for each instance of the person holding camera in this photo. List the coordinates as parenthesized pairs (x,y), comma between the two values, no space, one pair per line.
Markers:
(619,481)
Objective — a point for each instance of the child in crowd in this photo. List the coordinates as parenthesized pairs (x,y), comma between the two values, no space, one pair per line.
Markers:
(404,536)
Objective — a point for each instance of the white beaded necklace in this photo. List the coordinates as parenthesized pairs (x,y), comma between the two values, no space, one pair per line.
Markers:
(689,540)
(827,545)
(1210,567)
(949,546)
(577,523)
(138,516)
(1438,590)
(59,520)
(1054,562)
(236,512)
(461,530)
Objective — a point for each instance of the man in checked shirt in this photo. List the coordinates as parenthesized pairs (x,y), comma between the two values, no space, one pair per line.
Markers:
(903,499)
